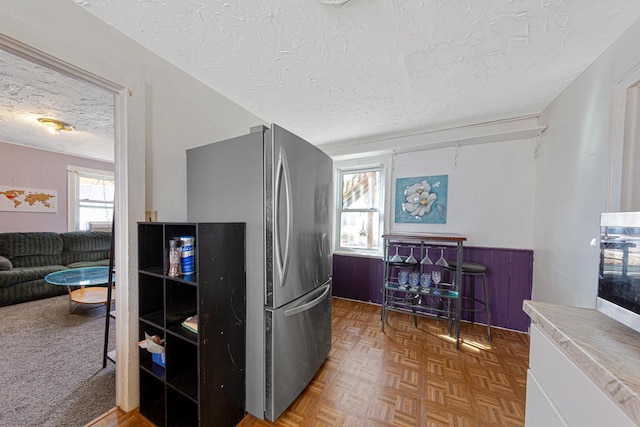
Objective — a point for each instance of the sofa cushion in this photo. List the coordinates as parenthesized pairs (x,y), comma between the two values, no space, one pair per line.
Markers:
(19,275)
(5,264)
(83,246)
(29,291)
(31,249)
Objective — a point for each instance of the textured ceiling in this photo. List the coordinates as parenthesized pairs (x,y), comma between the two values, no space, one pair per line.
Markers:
(29,91)
(372,68)
(375,67)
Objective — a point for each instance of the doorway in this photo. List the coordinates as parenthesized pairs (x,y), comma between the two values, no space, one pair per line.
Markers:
(129,125)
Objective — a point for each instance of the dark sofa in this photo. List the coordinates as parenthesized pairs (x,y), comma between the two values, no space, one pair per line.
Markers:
(26,258)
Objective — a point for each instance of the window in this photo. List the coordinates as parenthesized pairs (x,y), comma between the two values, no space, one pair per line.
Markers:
(360,209)
(91,196)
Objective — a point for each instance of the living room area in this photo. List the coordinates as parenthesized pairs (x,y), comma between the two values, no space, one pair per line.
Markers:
(53,335)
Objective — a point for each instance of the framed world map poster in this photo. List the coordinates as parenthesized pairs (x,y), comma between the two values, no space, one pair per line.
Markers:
(422,199)
(20,199)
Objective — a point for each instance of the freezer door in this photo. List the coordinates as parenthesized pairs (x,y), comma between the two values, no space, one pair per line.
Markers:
(298,189)
(298,339)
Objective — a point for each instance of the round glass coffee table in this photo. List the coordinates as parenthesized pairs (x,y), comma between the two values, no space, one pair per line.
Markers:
(89,280)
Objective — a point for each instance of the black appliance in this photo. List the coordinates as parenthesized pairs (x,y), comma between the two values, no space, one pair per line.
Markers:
(619,275)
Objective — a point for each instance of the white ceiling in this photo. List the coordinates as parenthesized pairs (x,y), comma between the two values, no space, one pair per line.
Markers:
(29,91)
(369,68)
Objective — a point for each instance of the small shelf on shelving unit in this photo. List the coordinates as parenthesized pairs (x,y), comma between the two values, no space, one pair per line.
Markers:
(153,368)
(183,411)
(153,271)
(154,319)
(445,290)
(183,333)
(401,264)
(442,300)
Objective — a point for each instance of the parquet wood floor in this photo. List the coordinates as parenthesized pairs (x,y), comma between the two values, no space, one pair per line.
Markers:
(410,376)
(116,417)
(406,376)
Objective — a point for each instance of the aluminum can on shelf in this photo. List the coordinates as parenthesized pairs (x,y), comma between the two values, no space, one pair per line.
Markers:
(187,255)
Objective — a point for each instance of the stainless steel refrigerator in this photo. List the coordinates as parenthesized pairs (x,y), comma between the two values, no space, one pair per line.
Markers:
(281,186)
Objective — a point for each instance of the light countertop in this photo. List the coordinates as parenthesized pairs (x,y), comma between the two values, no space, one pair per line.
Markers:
(607,351)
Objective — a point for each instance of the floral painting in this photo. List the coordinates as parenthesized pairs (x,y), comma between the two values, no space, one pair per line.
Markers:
(422,200)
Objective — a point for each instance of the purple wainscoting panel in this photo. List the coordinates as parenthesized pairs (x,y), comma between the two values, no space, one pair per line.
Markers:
(497,263)
(357,278)
(521,286)
(509,277)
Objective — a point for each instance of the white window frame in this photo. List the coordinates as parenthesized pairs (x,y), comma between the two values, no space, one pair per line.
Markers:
(73,186)
(354,166)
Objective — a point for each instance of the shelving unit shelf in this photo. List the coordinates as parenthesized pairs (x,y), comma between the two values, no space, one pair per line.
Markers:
(203,380)
(441,301)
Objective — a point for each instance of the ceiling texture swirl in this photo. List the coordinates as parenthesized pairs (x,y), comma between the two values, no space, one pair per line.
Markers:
(356,71)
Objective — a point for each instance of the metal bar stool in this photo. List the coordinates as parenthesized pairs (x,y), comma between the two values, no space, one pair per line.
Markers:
(473,270)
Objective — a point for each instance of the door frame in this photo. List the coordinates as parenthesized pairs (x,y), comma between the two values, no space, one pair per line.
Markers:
(129,137)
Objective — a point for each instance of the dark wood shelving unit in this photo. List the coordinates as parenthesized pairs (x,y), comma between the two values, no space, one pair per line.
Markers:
(200,385)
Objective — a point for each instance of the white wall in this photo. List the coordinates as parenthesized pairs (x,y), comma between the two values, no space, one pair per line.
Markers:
(572,173)
(490,195)
(33,168)
(181,112)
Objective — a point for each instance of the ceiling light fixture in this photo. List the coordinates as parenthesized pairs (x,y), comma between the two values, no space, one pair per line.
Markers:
(56,125)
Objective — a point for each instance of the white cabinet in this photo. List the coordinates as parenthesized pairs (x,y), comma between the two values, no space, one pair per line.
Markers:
(540,411)
(559,393)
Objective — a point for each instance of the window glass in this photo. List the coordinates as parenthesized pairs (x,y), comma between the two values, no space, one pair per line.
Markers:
(90,194)
(359,210)
(95,201)
(359,230)
(360,190)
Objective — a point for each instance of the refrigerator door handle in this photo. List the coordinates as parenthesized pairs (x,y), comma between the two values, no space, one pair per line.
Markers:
(309,305)
(282,174)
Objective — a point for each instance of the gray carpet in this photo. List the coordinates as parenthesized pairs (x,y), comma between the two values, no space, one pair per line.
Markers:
(51,364)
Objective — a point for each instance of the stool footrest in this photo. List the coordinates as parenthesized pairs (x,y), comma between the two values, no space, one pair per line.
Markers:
(474,300)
